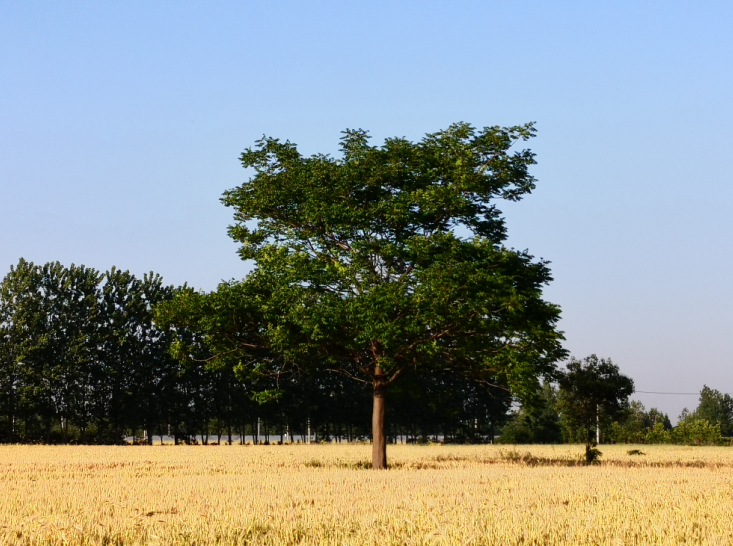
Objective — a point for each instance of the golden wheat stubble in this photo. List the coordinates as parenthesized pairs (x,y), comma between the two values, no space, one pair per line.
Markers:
(323,494)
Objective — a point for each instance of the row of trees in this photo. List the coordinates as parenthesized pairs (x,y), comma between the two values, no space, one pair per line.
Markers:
(78,350)
(82,360)
(551,421)
(710,423)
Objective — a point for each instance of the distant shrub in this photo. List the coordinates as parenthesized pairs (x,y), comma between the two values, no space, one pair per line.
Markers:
(697,433)
(658,435)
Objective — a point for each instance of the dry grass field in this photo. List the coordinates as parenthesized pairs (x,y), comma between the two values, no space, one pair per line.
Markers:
(322,494)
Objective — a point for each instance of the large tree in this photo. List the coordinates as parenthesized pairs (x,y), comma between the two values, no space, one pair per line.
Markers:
(593,392)
(385,262)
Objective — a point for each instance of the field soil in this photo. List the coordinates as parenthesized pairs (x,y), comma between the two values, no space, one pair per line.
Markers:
(326,494)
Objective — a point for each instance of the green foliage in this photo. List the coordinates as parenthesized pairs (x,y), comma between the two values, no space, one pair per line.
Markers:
(697,432)
(79,354)
(48,315)
(359,263)
(634,425)
(654,427)
(518,430)
(267,396)
(593,392)
(658,434)
(82,360)
(222,329)
(535,424)
(714,407)
(638,426)
(386,262)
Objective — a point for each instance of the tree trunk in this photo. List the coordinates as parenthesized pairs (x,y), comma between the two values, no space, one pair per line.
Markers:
(11,417)
(379,442)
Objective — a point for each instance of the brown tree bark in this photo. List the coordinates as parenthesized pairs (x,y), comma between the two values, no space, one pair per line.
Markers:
(379,442)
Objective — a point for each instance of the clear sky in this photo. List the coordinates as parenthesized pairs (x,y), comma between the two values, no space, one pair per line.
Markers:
(121,124)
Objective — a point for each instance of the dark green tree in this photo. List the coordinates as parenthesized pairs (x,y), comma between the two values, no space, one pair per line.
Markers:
(73,295)
(593,393)
(385,261)
(22,338)
(119,352)
(153,361)
(61,369)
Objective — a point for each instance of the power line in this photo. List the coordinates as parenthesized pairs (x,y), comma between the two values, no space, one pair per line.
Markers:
(678,393)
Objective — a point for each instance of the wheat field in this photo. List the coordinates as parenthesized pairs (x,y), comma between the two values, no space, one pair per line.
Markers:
(323,494)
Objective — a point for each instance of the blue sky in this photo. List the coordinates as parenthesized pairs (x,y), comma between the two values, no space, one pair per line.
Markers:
(121,125)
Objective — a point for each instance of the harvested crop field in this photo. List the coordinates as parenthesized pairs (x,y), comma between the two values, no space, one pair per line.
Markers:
(323,494)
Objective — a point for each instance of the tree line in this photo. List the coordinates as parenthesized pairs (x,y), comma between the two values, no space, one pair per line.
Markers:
(82,360)
(551,422)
